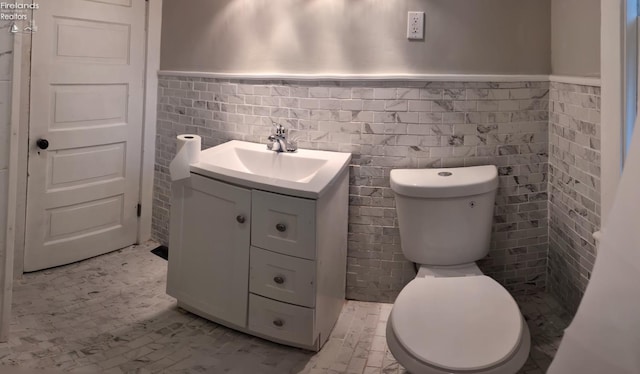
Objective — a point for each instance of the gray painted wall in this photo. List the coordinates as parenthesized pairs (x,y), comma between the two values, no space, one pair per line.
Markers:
(575,37)
(364,36)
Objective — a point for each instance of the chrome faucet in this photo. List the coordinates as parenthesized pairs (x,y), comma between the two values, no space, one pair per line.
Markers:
(278,140)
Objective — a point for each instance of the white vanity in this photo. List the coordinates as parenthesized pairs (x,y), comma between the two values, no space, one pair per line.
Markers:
(258,241)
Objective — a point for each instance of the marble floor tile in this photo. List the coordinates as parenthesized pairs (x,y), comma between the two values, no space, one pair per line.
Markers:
(110,314)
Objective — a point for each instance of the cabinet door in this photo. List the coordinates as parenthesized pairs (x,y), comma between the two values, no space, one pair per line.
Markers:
(209,248)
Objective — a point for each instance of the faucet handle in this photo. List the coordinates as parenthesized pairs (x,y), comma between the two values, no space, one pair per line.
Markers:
(280,130)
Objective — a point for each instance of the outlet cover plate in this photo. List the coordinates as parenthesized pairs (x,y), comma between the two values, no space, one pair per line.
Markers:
(415,26)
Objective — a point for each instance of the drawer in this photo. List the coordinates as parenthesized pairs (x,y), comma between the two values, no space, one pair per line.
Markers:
(281,277)
(283,321)
(283,224)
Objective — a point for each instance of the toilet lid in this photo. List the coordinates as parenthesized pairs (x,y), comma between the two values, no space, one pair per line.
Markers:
(457,323)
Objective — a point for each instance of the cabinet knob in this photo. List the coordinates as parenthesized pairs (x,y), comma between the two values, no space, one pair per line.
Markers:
(240,218)
(278,279)
(281,227)
(278,322)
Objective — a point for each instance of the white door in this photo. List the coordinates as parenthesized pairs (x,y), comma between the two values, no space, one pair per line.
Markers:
(86,102)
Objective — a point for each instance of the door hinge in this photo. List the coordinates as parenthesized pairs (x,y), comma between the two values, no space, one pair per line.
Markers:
(139,211)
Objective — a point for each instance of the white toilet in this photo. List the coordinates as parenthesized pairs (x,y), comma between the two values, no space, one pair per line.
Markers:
(451,318)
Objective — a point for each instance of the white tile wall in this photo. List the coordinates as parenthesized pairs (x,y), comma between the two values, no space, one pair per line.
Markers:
(574,188)
(6,63)
(3,207)
(6,48)
(5,119)
(385,125)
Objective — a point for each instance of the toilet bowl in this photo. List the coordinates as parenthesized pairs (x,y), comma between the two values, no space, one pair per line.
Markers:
(452,318)
(465,323)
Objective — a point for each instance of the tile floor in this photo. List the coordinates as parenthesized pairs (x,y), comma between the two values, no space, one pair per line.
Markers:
(111,314)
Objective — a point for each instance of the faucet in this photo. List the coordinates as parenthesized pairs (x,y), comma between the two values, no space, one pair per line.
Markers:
(278,140)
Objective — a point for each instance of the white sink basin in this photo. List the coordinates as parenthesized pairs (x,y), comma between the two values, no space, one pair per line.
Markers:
(305,173)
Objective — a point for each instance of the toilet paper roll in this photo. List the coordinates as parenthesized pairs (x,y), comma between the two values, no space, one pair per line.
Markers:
(188,152)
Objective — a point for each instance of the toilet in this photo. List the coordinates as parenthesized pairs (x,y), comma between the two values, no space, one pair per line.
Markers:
(452,318)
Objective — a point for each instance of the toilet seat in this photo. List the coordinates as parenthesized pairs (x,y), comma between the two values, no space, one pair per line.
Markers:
(457,323)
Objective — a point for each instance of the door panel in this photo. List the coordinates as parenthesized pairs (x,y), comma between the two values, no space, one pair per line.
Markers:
(81,219)
(86,100)
(77,167)
(92,41)
(114,2)
(88,105)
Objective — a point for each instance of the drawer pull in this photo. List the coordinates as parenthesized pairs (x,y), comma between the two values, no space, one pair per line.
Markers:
(278,279)
(281,227)
(278,322)
(240,218)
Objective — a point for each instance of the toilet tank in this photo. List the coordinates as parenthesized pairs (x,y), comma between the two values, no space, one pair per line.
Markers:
(445,215)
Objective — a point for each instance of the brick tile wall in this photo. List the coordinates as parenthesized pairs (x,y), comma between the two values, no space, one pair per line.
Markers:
(385,125)
(574,180)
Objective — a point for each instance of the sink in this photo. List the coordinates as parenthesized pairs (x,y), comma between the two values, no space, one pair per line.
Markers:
(304,173)
(277,165)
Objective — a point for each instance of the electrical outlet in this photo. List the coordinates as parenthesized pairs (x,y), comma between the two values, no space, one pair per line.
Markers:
(415,25)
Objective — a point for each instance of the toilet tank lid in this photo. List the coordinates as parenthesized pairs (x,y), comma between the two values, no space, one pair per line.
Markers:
(449,182)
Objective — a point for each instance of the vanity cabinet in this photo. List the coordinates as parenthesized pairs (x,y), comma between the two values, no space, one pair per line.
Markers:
(264,263)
